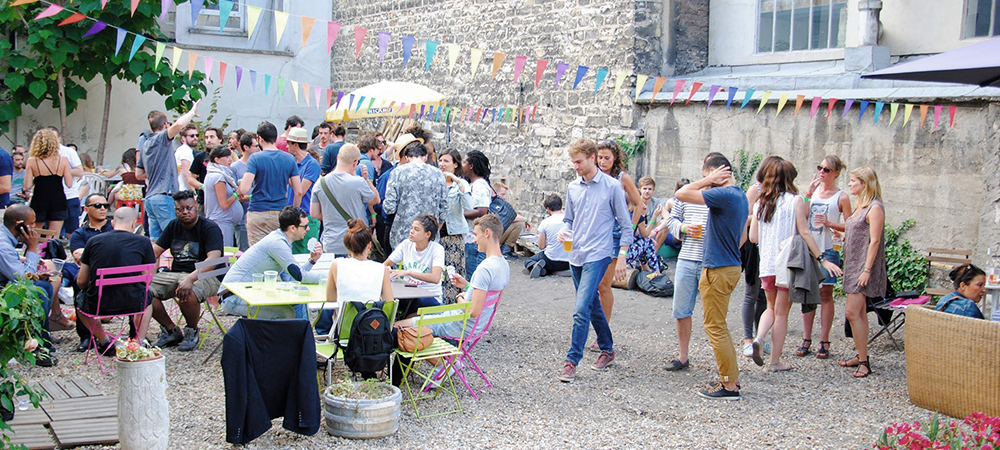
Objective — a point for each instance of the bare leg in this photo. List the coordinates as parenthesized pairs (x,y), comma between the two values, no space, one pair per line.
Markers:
(857,314)
(807,324)
(191,310)
(827,310)
(781,308)
(683,338)
(160,314)
(143,327)
(767,319)
(94,325)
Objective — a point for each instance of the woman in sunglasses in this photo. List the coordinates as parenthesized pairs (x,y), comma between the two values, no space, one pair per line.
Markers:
(828,205)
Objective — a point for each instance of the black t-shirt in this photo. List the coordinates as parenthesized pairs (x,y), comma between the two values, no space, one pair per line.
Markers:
(117,248)
(199,166)
(190,246)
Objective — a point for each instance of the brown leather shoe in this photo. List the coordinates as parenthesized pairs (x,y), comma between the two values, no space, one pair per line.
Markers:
(603,360)
(568,373)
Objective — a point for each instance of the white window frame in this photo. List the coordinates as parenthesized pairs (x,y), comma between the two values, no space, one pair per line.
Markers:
(791,29)
(969,25)
(239,13)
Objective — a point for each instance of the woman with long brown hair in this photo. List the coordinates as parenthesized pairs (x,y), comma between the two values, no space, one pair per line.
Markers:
(455,226)
(45,172)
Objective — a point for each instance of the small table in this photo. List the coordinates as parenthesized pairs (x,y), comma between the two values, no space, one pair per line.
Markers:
(256,296)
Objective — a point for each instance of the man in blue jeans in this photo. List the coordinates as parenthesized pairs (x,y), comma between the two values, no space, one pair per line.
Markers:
(157,167)
(593,203)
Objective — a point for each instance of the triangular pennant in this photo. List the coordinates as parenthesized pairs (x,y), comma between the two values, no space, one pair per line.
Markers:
(253,80)
(497,62)
(782,99)
(951,115)
(164,9)
(96,28)
(196,6)
(923,114)
(239,77)
(763,100)
(657,86)
(864,106)
(76,17)
(619,81)
(847,107)
(799,100)
(540,70)
(329,97)
(136,45)
(22,2)
(281,88)
(412,109)
(295,88)
(192,60)
(694,89)
(730,97)
(893,107)
(475,57)
(253,16)
(307,28)
(103,4)
(829,107)
(452,57)
(814,106)
(907,110)
(430,48)
(422,108)
(267,84)
(225,10)
(878,111)
(317,92)
(937,115)
(340,96)
(332,29)
(437,117)
(132,7)
(280,22)
(370,103)
(678,85)
(222,72)
(601,75)
(119,39)
(305,93)
(383,43)
(359,40)
(176,59)
(560,71)
(209,62)
(519,62)
(350,101)
(581,71)
(534,109)
(713,90)
(747,95)
(49,12)
(407,49)
(160,47)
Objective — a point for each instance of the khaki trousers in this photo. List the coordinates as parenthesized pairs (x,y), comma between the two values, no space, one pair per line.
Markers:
(715,287)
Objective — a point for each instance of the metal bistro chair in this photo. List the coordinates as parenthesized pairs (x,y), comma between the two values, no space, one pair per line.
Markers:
(465,360)
(221,265)
(440,348)
(146,272)
(331,346)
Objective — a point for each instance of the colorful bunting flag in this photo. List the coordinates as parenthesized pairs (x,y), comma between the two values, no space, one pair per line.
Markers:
(160,47)
(712,91)
(732,95)
(209,62)
(332,29)
(640,85)
(847,107)
(923,114)
(619,81)
(951,115)
(907,110)
(307,29)
(136,45)
(176,59)
(267,84)
(119,39)
(96,28)
(816,101)
(657,85)
(22,2)
(192,59)
(782,99)
(295,89)
(864,106)
(519,62)
(239,77)
(52,10)
(222,72)
(225,10)
(747,95)
(763,100)
(359,40)
(601,75)
(281,88)
(430,48)
(132,7)
(560,71)
(196,6)
(329,97)
(253,80)
(340,96)
(316,94)
(76,17)
(534,109)
(539,70)
(383,43)
(280,22)
(799,100)
(497,62)
(694,89)
(829,107)
(878,111)
(407,49)
(678,85)
(937,114)
(475,57)
(452,57)
(164,8)
(581,71)
(253,16)
(892,112)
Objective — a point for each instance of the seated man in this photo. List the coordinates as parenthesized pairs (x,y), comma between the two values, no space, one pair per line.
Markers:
(553,257)
(96,206)
(116,248)
(18,225)
(274,252)
(191,239)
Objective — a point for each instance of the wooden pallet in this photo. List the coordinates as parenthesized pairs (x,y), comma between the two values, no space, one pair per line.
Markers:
(76,411)
(81,408)
(32,436)
(74,433)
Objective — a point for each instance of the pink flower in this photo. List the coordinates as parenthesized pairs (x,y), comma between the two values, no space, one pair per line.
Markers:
(30,345)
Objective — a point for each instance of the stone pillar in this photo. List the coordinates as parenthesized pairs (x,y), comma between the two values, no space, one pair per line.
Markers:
(869,21)
(868,56)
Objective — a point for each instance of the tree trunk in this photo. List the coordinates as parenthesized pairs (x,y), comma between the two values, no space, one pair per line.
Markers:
(61,86)
(104,122)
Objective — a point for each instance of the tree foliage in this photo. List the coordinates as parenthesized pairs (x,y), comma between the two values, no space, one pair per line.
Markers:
(38,50)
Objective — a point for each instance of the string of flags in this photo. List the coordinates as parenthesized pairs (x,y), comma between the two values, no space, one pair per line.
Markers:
(476,55)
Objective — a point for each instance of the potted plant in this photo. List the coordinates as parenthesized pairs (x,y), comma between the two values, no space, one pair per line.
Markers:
(361,409)
(143,411)
(21,316)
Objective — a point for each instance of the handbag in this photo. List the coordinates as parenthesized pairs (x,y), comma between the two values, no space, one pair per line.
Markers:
(406,338)
(657,285)
(502,209)
(377,253)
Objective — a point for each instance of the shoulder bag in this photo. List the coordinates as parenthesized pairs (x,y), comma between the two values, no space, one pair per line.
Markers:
(502,209)
(377,253)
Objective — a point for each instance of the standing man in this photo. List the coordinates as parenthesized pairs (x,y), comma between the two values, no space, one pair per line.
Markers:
(352,192)
(191,239)
(247,146)
(330,152)
(184,157)
(325,131)
(269,173)
(368,146)
(199,166)
(158,168)
(291,122)
(381,164)
(308,170)
(593,203)
(724,232)
(17,176)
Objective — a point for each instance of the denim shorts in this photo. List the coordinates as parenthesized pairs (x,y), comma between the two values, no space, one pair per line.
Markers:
(834,257)
(686,278)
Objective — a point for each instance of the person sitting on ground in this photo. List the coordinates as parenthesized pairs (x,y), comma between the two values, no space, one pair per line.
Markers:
(116,248)
(421,260)
(274,252)
(356,278)
(970,287)
(642,253)
(190,239)
(553,257)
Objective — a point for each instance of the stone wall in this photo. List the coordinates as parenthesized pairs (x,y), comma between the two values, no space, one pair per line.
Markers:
(945,179)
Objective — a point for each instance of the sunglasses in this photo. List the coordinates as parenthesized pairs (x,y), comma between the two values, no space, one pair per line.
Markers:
(99,205)
(823,169)
(191,135)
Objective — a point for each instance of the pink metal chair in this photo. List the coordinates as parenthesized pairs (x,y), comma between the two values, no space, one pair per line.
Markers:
(106,277)
(465,360)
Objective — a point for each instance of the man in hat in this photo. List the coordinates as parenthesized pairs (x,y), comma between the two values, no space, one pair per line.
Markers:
(269,174)
(298,143)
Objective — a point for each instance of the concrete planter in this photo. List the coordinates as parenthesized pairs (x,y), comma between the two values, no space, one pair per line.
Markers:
(362,418)
(143,411)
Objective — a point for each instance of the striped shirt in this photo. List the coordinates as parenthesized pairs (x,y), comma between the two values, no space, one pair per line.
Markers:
(692,249)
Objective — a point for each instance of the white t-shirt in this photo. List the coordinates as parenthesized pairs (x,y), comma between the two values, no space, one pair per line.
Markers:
(183,153)
(432,256)
(74,162)
(550,228)
(482,195)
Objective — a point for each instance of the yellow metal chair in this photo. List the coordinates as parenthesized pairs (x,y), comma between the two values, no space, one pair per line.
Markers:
(329,346)
(440,349)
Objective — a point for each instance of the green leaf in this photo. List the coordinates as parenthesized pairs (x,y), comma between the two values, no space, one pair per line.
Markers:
(14,80)
(37,88)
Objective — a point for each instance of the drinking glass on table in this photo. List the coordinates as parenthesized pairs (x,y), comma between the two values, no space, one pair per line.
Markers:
(258,278)
(270,279)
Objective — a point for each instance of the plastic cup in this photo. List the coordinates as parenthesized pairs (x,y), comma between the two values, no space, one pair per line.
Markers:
(258,278)
(696,230)
(270,279)
(568,241)
(57,266)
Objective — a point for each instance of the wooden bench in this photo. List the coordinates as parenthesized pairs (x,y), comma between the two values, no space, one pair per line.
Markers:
(947,259)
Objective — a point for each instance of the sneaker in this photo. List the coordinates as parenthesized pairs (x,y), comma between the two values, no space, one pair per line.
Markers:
(568,372)
(603,360)
(594,347)
(766,348)
(104,347)
(191,339)
(748,350)
(169,338)
(757,359)
(538,269)
(676,364)
(719,392)
(45,359)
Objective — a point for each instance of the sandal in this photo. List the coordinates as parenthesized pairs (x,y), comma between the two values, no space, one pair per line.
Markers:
(824,350)
(804,349)
(866,365)
(853,362)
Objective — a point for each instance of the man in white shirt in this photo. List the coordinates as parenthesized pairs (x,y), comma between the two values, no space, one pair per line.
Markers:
(553,257)
(184,155)
(72,193)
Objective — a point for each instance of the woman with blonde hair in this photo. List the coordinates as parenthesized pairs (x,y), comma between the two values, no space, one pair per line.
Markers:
(45,172)
(864,261)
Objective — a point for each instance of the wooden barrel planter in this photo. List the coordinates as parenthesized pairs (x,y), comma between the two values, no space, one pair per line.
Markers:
(362,418)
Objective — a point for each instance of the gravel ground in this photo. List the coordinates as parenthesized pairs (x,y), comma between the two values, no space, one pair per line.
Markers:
(633,404)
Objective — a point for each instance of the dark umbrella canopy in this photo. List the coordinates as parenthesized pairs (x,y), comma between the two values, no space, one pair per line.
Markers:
(973,64)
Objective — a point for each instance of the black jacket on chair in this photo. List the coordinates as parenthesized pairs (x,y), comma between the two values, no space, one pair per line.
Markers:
(269,370)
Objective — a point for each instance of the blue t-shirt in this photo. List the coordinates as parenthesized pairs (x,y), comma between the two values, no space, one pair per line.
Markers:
(367,162)
(308,170)
(330,156)
(271,169)
(6,169)
(727,216)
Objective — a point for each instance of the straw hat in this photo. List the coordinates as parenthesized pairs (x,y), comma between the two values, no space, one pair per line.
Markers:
(402,141)
(299,135)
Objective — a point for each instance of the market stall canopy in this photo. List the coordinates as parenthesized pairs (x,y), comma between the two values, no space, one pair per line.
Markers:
(392,98)
(973,64)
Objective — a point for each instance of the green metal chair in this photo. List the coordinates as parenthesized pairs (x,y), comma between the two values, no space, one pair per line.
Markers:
(440,349)
(327,346)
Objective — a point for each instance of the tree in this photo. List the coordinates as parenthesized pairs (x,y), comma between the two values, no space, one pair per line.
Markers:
(50,63)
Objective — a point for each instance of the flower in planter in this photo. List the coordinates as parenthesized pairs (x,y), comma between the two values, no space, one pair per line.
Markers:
(30,345)
(132,350)
(935,434)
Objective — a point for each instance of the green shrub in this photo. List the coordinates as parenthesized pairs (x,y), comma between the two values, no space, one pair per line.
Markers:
(745,166)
